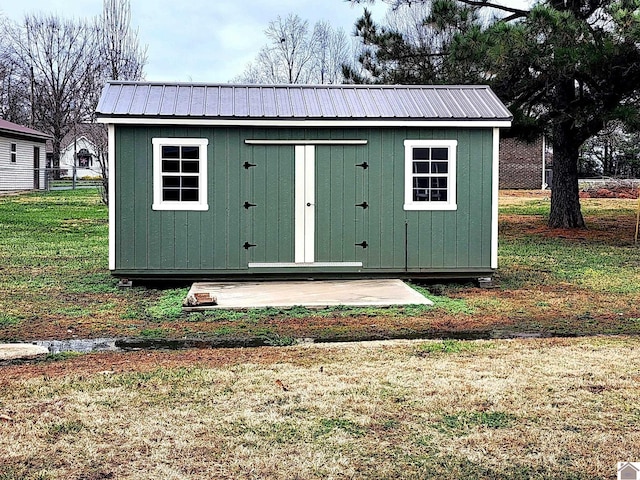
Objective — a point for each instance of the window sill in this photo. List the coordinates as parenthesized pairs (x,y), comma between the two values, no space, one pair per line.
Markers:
(431,206)
(180,207)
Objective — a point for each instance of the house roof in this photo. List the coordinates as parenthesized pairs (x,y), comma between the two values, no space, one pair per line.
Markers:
(300,102)
(20,130)
(96,133)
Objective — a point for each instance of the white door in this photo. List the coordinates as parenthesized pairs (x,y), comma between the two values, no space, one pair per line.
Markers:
(305,203)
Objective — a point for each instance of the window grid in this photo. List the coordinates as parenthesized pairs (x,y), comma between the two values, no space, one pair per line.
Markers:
(14,152)
(180,173)
(430,175)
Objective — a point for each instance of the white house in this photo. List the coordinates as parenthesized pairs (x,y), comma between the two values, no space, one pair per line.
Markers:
(87,143)
(22,157)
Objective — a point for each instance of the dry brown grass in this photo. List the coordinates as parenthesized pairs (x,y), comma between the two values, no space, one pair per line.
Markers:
(555,408)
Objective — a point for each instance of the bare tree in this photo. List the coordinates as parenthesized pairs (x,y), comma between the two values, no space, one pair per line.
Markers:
(122,58)
(120,50)
(58,58)
(296,54)
(332,52)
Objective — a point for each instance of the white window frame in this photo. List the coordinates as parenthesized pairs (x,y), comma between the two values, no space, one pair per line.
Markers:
(158,203)
(14,153)
(409,202)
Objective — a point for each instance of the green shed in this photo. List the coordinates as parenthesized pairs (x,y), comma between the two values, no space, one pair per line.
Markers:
(282,181)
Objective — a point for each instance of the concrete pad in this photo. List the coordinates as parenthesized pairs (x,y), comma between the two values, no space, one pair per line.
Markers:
(321,293)
(12,351)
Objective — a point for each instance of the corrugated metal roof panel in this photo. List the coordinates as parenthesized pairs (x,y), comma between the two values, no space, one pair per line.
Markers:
(212,100)
(241,102)
(269,104)
(339,102)
(283,102)
(154,100)
(226,102)
(197,100)
(123,104)
(256,108)
(168,101)
(183,101)
(325,102)
(139,101)
(311,102)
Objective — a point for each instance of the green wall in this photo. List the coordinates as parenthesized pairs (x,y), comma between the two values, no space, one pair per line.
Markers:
(210,243)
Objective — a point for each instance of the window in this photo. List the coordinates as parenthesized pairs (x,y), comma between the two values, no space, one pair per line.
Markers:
(85,159)
(180,174)
(14,152)
(430,175)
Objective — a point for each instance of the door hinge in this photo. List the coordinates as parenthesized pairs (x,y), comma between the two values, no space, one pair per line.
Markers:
(363,205)
(362,244)
(363,165)
(248,165)
(248,205)
(248,245)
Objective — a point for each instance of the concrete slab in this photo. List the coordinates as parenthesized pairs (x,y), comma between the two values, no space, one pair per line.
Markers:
(12,351)
(321,293)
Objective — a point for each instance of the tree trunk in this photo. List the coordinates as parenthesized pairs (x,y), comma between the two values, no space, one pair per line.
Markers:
(565,198)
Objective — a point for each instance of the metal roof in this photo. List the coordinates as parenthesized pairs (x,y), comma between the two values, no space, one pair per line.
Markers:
(300,102)
(16,129)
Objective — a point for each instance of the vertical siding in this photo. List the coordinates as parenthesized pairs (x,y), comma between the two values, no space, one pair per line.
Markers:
(211,241)
(20,175)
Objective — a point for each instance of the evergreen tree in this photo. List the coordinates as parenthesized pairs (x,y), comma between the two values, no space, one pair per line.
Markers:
(564,67)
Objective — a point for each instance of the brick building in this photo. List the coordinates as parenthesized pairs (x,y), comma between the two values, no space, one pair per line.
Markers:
(522,163)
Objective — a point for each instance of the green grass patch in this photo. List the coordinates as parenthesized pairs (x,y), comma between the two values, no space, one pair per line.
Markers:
(7,320)
(169,305)
(462,423)
(330,425)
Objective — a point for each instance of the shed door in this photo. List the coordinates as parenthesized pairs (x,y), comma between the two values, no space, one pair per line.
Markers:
(305,206)
(268,204)
(342,210)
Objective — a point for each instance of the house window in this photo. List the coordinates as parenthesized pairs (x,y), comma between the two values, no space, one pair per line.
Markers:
(84,158)
(14,152)
(180,174)
(430,175)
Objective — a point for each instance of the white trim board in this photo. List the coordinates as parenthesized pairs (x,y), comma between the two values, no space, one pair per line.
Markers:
(304,123)
(494,197)
(112,195)
(298,265)
(305,142)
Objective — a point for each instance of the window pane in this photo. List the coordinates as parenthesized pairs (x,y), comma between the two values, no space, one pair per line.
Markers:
(170,182)
(190,166)
(421,153)
(170,151)
(190,182)
(438,195)
(439,182)
(190,195)
(191,152)
(171,166)
(439,154)
(421,182)
(170,195)
(439,167)
(420,195)
(420,167)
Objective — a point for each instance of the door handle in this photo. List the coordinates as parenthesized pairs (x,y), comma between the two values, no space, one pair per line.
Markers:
(309,204)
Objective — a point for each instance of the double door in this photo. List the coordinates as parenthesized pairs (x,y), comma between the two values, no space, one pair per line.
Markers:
(306,205)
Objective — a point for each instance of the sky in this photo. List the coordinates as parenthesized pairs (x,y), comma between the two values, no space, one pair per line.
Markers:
(201,40)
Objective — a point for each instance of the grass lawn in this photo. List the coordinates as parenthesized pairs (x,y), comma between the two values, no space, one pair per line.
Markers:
(565,408)
(54,283)
(499,409)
